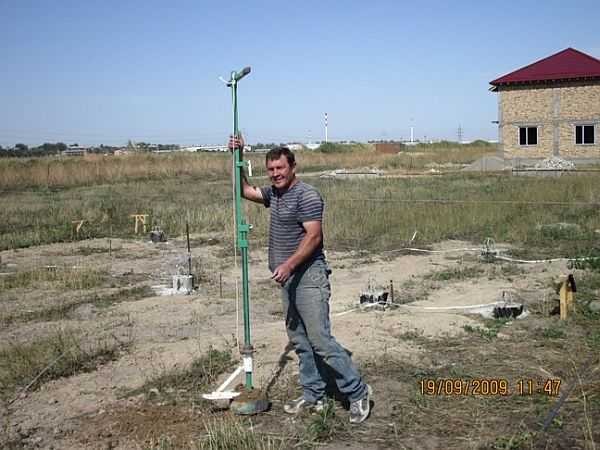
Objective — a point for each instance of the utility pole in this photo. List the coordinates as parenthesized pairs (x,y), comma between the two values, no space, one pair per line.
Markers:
(460,133)
(326,128)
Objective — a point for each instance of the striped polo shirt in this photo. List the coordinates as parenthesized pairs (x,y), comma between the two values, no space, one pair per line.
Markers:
(289,210)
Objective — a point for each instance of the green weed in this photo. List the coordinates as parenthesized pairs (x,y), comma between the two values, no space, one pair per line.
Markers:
(490,331)
(553,333)
(518,441)
(322,424)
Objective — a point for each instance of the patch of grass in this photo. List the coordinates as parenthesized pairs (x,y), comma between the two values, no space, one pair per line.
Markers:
(61,309)
(593,339)
(161,443)
(518,441)
(369,214)
(228,434)
(490,331)
(67,278)
(588,288)
(511,270)
(386,218)
(88,250)
(61,354)
(410,335)
(322,425)
(552,333)
(458,273)
(180,384)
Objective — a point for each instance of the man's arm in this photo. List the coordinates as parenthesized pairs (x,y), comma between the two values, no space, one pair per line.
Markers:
(310,242)
(250,192)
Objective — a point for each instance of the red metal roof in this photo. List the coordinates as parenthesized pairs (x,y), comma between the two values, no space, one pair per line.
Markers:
(568,64)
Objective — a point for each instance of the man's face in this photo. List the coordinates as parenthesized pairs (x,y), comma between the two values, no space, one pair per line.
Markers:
(280,172)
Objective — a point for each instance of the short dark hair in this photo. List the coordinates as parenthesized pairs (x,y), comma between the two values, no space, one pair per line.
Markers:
(277,152)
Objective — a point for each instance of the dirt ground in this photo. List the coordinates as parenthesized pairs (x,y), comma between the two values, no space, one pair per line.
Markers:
(90,410)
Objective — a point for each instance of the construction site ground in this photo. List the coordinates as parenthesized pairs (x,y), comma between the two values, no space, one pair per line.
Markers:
(395,349)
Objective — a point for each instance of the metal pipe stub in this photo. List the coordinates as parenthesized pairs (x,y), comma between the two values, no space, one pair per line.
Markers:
(183,284)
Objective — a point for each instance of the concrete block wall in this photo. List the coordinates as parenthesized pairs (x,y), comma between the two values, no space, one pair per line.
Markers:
(555,109)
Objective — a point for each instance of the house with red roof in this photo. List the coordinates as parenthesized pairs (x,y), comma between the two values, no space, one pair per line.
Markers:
(550,108)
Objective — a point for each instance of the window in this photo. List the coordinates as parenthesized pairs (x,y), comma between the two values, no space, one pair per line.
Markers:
(584,134)
(528,136)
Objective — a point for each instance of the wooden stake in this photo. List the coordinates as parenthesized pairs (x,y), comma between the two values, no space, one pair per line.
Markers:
(76,227)
(563,300)
(140,219)
(567,296)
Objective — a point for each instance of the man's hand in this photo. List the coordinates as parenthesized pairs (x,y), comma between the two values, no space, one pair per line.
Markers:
(282,273)
(236,142)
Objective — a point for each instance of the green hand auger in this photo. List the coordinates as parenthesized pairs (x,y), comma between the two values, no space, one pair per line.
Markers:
(249,400)
(242,227)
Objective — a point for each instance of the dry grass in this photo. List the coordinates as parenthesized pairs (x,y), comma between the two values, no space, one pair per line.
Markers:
(182,384)
(370,214)
(233,433)
(53,277)
(61,354)
(52,172)
(60,307)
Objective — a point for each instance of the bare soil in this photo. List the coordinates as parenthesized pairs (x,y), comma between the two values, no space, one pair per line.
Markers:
(93,410)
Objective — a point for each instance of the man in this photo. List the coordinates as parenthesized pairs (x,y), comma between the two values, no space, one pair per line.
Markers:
(297,262)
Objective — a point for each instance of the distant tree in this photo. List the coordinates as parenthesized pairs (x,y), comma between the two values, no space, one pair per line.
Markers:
(21,148)
(330,147)
(61,146)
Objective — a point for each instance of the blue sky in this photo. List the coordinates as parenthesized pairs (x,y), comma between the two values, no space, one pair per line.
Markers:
(106,72)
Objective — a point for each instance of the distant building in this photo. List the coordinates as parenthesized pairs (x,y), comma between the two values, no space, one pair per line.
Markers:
(75,150)
(388,147)
(550,108)
(213,148)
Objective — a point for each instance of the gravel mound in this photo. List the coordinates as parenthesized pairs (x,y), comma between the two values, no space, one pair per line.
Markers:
(555,163)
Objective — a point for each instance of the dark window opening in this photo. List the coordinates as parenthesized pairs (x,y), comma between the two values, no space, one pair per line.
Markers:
(584,134)
(532,136)
(528,136)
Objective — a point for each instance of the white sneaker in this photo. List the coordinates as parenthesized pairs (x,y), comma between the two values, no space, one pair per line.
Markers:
(360,409)
(299,404)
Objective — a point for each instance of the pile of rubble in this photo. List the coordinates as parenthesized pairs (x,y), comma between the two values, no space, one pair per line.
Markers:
(555,163)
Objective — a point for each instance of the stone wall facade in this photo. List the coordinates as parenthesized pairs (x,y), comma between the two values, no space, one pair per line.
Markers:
(555,109)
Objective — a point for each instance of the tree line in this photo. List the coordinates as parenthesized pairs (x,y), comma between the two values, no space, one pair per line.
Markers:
(22,150)
(48,149)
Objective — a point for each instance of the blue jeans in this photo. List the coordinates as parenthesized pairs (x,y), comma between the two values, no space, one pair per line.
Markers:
(306,310)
